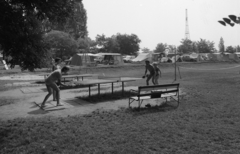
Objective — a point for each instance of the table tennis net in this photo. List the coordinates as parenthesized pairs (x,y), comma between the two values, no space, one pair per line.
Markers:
(110,78)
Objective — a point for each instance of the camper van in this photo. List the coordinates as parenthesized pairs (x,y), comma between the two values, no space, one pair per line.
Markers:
(111,58)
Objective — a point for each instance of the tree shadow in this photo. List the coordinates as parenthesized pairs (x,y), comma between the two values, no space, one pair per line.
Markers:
(166,107)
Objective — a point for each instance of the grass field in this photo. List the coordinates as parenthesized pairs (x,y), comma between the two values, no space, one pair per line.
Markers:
(206,122)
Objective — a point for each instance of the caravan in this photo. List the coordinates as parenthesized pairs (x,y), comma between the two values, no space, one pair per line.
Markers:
(82,59)
(111,58)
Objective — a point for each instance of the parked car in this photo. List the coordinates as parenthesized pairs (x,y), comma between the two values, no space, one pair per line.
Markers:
(99,59)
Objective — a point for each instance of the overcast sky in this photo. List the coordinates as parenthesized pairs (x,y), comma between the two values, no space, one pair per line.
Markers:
(163,21)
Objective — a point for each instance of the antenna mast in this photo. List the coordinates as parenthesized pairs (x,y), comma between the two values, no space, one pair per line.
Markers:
(187,35)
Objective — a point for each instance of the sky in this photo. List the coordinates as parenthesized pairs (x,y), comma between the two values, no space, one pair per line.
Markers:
(163,21)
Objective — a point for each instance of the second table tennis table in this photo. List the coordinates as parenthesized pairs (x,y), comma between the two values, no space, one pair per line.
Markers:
(104,80)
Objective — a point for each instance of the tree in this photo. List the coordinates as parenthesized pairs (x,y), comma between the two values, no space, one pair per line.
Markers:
(21,30)
(102,41)
(62,45)
(128,44)
(221,46)
(85,43)
(145,50)
(237,48)
(230,49)
(185,47)
(112,44)
(76,25)
(160,48)
(205,46)
(124,44)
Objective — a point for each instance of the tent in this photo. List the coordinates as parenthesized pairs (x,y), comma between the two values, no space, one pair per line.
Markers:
(82,58)
(178,59)
(215,56)
(203,57)
(225,57)
(142,57)
(186,57)
(233,56)
(111,58)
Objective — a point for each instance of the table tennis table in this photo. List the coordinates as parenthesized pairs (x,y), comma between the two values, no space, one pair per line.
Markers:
(105,80)
(77,76)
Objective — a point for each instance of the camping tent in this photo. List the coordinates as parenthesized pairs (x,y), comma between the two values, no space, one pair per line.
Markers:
(112,58)
(142,57)
(82,58)
(233,56)
(215,56)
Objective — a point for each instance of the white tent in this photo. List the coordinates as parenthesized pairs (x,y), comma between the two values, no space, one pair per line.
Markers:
(142,57)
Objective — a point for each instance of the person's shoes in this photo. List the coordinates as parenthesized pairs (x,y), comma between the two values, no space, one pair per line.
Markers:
(42,106)
(54,100)
(148,105)
(59,104)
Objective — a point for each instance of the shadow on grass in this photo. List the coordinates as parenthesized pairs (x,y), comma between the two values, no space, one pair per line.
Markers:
(117,95)
(7,101)
(169,106)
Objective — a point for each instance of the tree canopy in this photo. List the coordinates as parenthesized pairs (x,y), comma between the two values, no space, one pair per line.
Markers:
(61,44)
(202,46)
(21,30)
(221,45)
(230,49)
(76,25)
(120,43)
(205,46)
(186,46)
(160,48)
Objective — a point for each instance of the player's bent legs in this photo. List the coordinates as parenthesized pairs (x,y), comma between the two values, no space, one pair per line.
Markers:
(147,81)
(152,76)
(49,89)
(156,77)
(54,95)
(57,90)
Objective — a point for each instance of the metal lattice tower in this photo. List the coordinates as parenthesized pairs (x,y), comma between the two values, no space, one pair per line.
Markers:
(187,35)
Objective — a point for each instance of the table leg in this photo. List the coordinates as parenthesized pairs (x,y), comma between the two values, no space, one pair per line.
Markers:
(77,78)
(112,87)
(82,78)
(122,88)
(89,90)
(98,89)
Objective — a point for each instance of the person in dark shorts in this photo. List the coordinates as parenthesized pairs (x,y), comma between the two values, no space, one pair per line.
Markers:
(51,84)
(56,65)
(157,73)
(151,70)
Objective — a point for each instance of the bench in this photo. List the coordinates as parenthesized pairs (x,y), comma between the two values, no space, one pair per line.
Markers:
(155,92)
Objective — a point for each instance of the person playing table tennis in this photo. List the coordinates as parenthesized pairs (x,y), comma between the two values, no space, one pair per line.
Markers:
(151,70)
(51,85)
